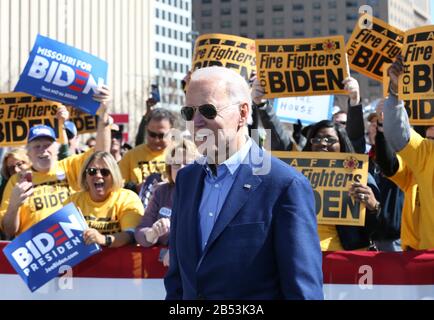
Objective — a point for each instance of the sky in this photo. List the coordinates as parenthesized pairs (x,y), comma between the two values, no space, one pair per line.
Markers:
(432,11)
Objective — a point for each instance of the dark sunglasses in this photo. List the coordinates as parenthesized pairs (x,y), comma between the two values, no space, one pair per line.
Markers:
(93,171)
(328,140)
(156,135)
(209,111)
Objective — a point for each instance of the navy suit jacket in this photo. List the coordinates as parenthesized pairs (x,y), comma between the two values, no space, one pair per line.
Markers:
(264,244)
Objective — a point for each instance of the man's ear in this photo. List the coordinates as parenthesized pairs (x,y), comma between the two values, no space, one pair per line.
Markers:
(244,114)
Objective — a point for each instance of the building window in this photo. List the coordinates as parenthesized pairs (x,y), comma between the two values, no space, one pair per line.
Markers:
(259,9)
(157,46)
(157,13)
(175,50)
(278,8)
(206,25)
(163,14)
(169,16)
(316,32)
(352,16)
(278,21)
(157,63)
(260,35)
(163,33)
(181,4)
(186,6)
(175,34)
(298,19)
(225,11)
(181,35)
(332,5)
(186,21)
(332,17)
(243,10)
(299,33)
(297,7)
(351,4)
(243,23)
(226,24)
(225,0)
(157,29)
(181,18)
(169,32)
(316,5)
(170,49)
(205,13)
(332,32)
(163,47)
(175,18)
(206,1)
(259,22)
(277,33)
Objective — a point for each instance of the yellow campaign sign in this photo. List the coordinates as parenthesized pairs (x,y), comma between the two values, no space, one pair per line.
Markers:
(369,48)
(331,175)
(225,50)
(84,122)
(18,117)
(417,79)
(420,111)
(301,67)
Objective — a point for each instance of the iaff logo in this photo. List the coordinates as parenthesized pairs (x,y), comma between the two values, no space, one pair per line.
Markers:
(60,74)
(47,246)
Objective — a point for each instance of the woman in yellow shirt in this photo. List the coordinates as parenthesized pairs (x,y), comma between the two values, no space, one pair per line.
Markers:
(111,212)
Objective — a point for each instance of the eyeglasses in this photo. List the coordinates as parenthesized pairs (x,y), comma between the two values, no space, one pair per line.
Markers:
(344,123)
(156,135)
(93,171)
(208,110)
(328,140)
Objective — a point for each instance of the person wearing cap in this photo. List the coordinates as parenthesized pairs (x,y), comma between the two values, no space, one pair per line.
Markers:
(72,135)
(30,199)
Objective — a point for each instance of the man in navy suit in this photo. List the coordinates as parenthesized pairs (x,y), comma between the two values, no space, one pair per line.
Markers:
(243,224)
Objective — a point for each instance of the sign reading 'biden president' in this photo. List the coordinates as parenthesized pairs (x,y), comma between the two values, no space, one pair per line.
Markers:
(39,253)
(59,72)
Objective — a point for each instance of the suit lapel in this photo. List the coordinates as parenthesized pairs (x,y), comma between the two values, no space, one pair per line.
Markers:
(192,227)
(244,186)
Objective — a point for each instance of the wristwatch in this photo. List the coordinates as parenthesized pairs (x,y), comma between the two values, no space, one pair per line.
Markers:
(108,241)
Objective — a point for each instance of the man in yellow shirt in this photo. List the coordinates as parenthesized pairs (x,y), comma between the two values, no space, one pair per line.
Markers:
(31,197)
(415,151)
(145,159)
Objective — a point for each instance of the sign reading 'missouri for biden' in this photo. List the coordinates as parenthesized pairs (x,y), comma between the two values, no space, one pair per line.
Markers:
(59,72)
(39,253)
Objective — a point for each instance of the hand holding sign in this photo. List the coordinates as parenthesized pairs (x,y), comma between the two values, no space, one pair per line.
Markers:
(352,87)
(103,96)
(363,194)
(91,236)
(394,71)
(257,92)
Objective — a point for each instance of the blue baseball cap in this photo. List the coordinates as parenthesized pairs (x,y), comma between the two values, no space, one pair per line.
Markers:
(41,131)
(71,129)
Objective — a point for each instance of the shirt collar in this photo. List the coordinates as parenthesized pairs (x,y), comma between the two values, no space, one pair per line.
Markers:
(231,163)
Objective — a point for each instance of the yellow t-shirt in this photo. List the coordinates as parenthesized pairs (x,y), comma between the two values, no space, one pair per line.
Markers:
(418,154)
(121,211)
(405,180)
(329,238)
(50,191)
(140,162)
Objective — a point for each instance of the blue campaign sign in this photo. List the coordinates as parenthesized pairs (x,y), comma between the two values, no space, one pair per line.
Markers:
(59,72)
(39,253)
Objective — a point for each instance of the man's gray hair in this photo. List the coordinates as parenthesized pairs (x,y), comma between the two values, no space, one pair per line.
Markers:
(236,87)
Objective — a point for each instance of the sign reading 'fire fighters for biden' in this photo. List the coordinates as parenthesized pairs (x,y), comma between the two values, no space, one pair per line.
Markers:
(39,253)
(58,72)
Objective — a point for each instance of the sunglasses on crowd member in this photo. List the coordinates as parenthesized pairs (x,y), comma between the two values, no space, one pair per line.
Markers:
(156,135)
(208,110)
(344,123)
(328,140)
(93,171)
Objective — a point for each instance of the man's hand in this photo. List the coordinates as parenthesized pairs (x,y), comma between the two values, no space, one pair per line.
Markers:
(257,91)
(352,87)
(104,97)
(394,71)
(91,236)
(62,114)
(22,190)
